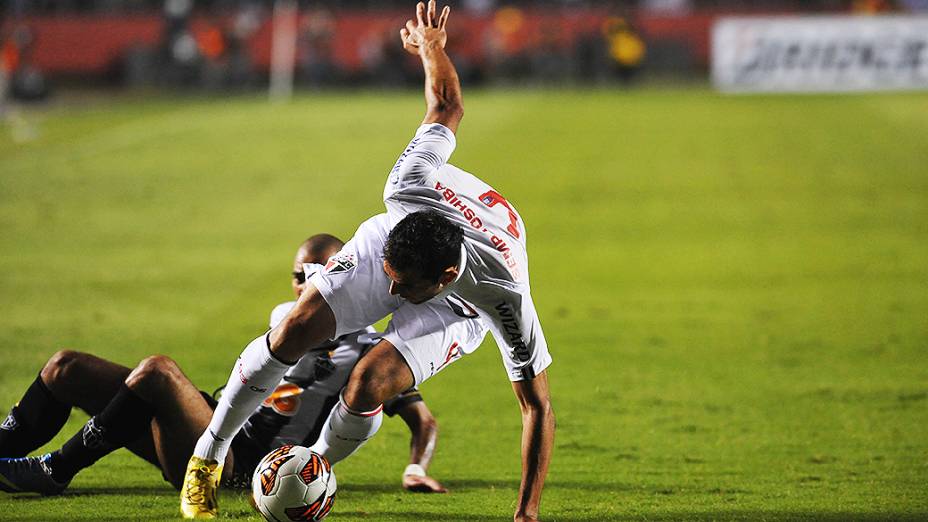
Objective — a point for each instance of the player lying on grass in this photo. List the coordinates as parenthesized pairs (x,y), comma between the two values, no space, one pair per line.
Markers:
(447,237)
(157,413)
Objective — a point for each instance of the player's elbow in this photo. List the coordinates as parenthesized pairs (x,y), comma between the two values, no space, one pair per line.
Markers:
(430,426)
(454,109)
(446,112)
(420,421)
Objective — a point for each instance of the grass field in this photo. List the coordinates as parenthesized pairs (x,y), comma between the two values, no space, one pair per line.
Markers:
(735,290)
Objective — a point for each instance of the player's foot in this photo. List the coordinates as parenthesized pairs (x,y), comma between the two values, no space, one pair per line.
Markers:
(29,474)
(198,496)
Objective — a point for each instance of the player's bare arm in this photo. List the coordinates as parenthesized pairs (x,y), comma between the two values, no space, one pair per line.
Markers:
(538,426)
(309,324)
(424,435)
(426,37)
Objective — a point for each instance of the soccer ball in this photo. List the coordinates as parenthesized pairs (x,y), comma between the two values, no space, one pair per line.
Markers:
(293,483)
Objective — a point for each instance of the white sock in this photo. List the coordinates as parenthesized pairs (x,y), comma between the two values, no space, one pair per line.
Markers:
(345,431)
(254,377)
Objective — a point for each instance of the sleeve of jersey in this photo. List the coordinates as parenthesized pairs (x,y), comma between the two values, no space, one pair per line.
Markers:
(518,334)
(429,149)
(280,312)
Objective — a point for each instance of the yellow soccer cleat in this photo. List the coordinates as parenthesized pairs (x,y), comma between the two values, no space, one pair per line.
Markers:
(201,483)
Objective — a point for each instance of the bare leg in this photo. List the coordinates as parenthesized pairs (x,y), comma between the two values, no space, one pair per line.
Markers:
(379,375)
(181,413)
(89,383)
(83,380)
(261,366)
(257,372)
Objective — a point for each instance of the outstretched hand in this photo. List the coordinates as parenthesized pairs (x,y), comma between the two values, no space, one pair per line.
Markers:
(428,28)
(426,484)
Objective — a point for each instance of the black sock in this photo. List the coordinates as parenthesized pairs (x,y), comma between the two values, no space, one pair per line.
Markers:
(37,418)
(126,418)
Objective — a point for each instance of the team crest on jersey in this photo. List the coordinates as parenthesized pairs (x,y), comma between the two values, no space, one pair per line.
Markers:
(341,262)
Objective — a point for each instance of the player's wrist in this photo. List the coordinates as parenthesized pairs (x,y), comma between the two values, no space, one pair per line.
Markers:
(414,470)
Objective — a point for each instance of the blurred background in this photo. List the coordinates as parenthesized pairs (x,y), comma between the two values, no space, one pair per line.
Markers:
(234,45)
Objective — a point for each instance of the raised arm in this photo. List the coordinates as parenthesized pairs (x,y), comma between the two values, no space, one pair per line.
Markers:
(537,443)
(426,37)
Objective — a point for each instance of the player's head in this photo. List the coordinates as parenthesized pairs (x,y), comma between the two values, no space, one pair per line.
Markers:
(421,255)
(316,249)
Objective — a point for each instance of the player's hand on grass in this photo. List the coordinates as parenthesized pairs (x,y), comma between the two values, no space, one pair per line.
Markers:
(426,484)
(524,518)
(427,28)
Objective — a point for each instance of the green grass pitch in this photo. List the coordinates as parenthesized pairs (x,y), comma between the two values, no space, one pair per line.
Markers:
(734,289)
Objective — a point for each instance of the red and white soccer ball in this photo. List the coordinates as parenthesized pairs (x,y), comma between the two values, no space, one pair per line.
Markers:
(293,483)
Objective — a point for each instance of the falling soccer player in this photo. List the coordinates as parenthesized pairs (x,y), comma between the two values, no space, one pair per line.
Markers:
(157,413)
(446,237)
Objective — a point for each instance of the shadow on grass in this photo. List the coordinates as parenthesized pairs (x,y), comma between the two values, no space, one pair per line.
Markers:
(90,492)
(63,517)
(66,513)
(481,484)
(420,515)
(469,485)
(121,490)
(771,515)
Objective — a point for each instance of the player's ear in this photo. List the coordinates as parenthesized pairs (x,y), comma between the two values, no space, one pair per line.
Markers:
(448,276)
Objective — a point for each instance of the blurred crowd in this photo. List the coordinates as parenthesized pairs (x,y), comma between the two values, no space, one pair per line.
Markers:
(226,44)
(33,6)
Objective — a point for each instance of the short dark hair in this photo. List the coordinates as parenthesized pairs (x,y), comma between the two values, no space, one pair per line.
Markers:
(424,244)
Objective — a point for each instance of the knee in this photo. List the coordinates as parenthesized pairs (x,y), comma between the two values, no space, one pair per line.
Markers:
(364,390)
(60,368)
(152,372)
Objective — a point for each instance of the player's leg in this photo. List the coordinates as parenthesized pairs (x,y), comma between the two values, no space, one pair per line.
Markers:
(86,381)
(155,398)
(420,341)
(351,293)
(89,382)
(259,369)
(261,366)
(382,373)
(68,379)
(351,290)
(180,413)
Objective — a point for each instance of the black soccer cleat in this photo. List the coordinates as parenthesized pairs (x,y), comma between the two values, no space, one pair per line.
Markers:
(29,475)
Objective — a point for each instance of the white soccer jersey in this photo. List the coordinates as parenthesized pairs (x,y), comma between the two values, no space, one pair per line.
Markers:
(494,271)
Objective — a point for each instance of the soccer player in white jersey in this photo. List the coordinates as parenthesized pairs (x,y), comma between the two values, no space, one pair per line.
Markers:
(447,237)
(295,412)
(157,413)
